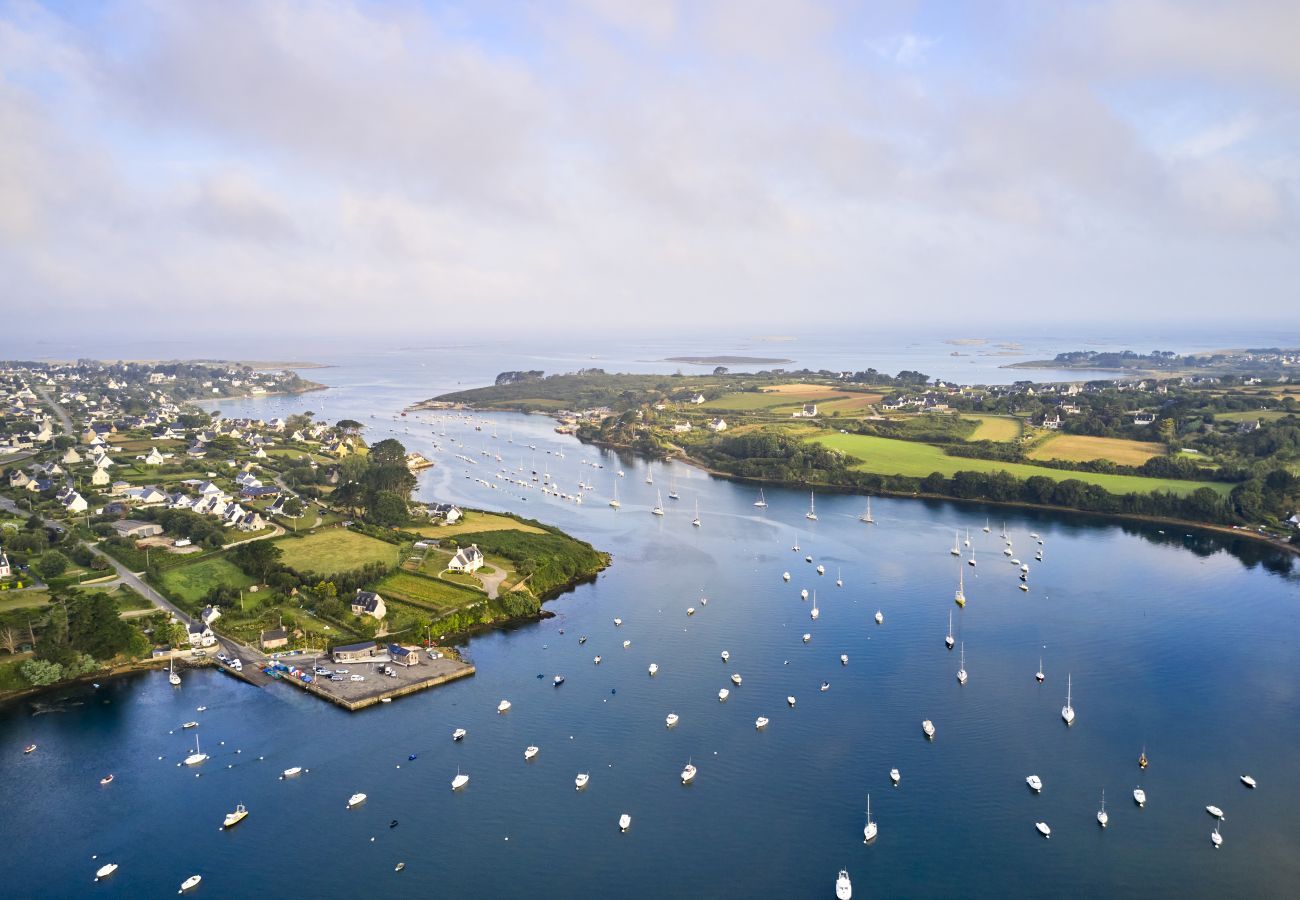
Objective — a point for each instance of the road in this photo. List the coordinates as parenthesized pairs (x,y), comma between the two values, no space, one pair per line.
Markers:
(64,420)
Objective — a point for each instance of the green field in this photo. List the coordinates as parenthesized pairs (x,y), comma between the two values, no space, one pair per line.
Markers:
(886,456)
(439,596)
(191,582)
(477,521)
(334,550)
(994,428)
(1264,415)
(23,600)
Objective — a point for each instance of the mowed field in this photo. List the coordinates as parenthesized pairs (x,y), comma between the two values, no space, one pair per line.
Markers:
(1082,448)
(786,398)
(994,428)
(334,550)
(477,521)
(191,582)
(886,456)
(1264,415)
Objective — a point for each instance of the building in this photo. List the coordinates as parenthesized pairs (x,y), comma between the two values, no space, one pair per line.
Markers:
(1052,422)
(134,528)
(5,570)
(808,411)
(201,635)
(368,603)
(210,614)
(467,559)
(153,457)
(404,656)
(447,512)
(718,425)
(366,651)
(274,639)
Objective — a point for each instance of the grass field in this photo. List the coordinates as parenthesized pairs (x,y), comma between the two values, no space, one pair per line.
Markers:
(477,521)
(334,550)
(1264,415)
(1082,447)
(786,398)
(439,596)
(994,428)
(887,456)
(191,582)
(23,600)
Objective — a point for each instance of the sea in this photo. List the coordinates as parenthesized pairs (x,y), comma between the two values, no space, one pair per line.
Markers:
(1174,641)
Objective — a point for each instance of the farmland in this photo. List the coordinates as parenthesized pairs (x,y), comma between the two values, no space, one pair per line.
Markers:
(190,583)
(1081,448)
(477,521)
(887,456)
(438,596)
(787,398)
(334,550)
(994,428)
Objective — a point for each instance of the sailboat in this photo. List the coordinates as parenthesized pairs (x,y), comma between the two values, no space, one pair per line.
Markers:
(659,504)
(869,830)
(839,580)
(1102,818)
(986,525)
(1216,838)
(967,537)
(1067,711)
(171,672)
(760,502)
(972,556)
(672,488)
(650,474)
(959,596)
(961,673)
(1004,529)
(614,503)
(812,508)
(1039,676)
(956,543)
(795,548)
(696,520)
(948,641)
(197,756)
(866,516)
(1142,760)
(814,612)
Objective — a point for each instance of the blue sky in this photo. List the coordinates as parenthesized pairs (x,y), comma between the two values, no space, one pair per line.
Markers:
(341,166)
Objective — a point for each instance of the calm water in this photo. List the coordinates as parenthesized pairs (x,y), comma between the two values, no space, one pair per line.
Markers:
(1183,644)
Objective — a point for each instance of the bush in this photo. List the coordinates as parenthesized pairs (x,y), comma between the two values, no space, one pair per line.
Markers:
(40,672)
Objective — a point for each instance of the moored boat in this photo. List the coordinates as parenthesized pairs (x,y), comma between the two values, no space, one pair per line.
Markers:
(234,818)
(105,870)
(190,883)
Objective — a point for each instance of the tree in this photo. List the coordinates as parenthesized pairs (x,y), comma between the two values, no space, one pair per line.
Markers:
(9,640)
(388,508)
(351,426)
(40,672)
(258,558)
(293,507)
(388,452)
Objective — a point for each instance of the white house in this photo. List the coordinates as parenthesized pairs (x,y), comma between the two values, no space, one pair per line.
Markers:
(153,457)
(368,603)
(718,425)
(681,427)
(697,399)
(467,559)
(5,571)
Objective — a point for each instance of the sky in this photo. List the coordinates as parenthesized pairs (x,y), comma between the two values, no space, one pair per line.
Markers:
(345,167)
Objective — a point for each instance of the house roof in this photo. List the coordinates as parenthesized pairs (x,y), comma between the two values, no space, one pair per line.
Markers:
(363,645)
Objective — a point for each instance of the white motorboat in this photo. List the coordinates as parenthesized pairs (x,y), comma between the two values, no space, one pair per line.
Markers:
(928,727)
(844,659)
(581,780)
(821,570)
(654,669)
(624,822)
(869,830)
(1035,783)
(618,622)
(1015,561)
(198,756)
(961,672)
(785,576)
(725,655)
(671,719)
(596,659)
(811,514)
(1215,811)
(627,644)
(1139,796)
(1043,829)
(843,886)
(356,800)
(1024,568)
(234,818)
(459,781)
(761,722)
(557,680)
(1216,838)
(1102,817)
(503,706)
(1248,781)
(459,734)
(894,776)
(190,883)
(1023,586)
(807,636)
(1067,711)
(689,773)
(531,751)
(735,679)
(105,870)
(723,694)
(291,772)
(803,594)
(880,618)
(808,558)
(790,700)
(190,725)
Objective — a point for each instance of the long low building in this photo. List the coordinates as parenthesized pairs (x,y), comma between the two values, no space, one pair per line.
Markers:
(366,651)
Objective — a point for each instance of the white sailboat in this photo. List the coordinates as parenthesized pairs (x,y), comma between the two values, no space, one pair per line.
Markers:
(1139,796)
(1039,676)
(948,641)
(961,672)
(171,672)
(812,507)
(614,503)
(672,487)
(650,474)
(696,520)
(972,556)
(761,503)
(839,580)
(814,612)
(659,504)
(689,773)
(624,822)
(1102,817)
(869,830)
(956,543)
(866,516)
(1216,838)
(960,596)
(967,537)
(1067,711)
(986,525)
(197,756)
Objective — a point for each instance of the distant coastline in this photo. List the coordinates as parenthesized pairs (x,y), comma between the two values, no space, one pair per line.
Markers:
(728,360)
